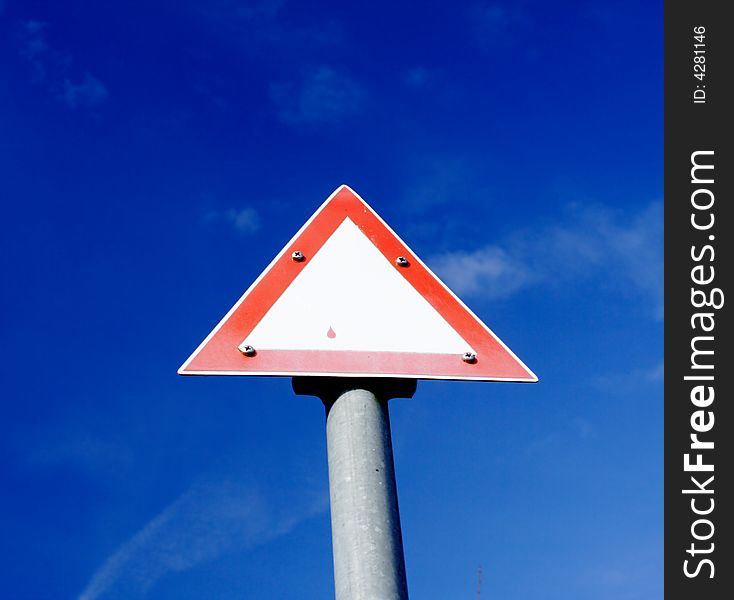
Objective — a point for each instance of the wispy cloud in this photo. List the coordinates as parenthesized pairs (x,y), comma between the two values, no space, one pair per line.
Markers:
(236,9)
(578,428)
(623,383)
(255,25)
(93,453)
(635,574)
(594,244)
(438,181)
(88,92)
(584,428)
(204,523)
(275,33)
(491,271)
(322,96)
(655,373)
(244,220)
(419,77)
(34,48)
(52,69)
(491,19)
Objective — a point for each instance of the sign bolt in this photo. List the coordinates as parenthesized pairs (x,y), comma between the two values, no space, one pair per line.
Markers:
(298,256)
(469,357)
(401,261)
(248,350)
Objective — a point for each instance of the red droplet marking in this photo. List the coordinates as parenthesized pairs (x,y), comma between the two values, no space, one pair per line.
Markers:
(331,333)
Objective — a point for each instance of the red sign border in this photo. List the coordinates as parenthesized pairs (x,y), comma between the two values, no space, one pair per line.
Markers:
(218,354)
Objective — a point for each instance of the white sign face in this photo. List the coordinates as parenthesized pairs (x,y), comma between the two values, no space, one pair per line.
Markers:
(347,298)
(369,306)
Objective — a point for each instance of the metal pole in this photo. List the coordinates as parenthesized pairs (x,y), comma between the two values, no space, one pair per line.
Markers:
(365,523)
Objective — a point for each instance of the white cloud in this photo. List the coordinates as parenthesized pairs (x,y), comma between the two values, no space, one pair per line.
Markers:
(234,10)
(35,40)
(625,382)
(441,181)
(491,19)
(94,453)
(583,427)
(491,272)
(630,575)
(655,373)
(578,427)
(594,245)
(254,26)
(202,524)
(418,77)
(34,47)
(321,96)
(52,69)
(87,93)
(244,220)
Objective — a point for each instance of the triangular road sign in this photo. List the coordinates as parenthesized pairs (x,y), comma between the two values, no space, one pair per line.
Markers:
(347,297)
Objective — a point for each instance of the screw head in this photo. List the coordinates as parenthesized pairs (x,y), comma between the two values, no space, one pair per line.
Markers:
(469,357)
(248,350)
(401,261)
(298,256)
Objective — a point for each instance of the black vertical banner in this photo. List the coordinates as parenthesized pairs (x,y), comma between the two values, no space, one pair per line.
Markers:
(699,432)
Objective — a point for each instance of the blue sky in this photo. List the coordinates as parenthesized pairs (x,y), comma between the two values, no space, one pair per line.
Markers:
(154,157)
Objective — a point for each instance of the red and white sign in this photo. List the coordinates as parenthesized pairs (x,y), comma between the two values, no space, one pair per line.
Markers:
(347,297)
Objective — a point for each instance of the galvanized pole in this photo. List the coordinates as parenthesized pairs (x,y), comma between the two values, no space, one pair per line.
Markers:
(365,522)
